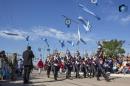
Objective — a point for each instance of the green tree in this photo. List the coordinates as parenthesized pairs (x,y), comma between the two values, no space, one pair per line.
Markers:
(113,48)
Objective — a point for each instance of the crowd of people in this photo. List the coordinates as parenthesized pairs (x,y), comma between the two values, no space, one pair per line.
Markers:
(91,66)
(10,66)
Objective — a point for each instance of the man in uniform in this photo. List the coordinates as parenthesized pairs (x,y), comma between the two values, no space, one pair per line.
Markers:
(77,64)
(56,67)
(68,64)
(48,65)
(99,65)
(84,67)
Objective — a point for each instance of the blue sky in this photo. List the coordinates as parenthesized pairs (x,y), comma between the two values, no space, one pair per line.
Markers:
(42,19)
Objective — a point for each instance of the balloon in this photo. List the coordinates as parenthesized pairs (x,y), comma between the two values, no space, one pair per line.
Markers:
(67,22)
(123,8)
(94,1)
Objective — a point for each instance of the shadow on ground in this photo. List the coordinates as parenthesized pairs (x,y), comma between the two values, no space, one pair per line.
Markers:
(10,83)
(20,82)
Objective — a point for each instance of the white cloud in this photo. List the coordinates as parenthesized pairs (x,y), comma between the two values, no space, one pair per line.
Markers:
(126,19)
(119,19)
(21,34)
(38,32)
(60,35)
(54,33)
(114,17)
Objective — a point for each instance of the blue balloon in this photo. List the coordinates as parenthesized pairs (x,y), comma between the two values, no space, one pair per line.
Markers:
(123,8)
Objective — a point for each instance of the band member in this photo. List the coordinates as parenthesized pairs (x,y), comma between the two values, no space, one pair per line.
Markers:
(84,67)
(68,64)
(91,67)
(48,65)
(99,65)
(77,64)
(56,66)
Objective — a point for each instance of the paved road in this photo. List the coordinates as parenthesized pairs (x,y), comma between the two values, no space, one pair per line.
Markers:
(42,80)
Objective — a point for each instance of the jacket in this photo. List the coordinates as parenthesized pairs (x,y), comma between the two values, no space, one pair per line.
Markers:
(28,56)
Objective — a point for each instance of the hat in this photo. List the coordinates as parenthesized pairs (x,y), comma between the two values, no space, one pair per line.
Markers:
(67,52)
(99,47)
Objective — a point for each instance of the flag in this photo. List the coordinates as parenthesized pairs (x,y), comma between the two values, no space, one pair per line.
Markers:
(89,12)
(39,49)
(40,55)
(84,42)
(70,42)
(85,23)
(48,49)
(78,42)
(27,38)
(78,34)
(79,38)
(46,41)
(62,43)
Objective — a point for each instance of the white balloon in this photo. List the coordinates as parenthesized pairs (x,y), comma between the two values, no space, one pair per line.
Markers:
(94,1)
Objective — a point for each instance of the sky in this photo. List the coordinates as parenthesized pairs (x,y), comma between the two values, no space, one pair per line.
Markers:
(42,19)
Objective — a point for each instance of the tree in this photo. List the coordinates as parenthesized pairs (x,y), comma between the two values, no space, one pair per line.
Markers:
(113,48)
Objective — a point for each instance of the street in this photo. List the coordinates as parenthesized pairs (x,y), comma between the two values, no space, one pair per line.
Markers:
(42,80)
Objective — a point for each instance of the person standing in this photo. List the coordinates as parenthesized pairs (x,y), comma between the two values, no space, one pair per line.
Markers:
(40,65)
(28,64)
(20,67)
(14,66)
(1,64)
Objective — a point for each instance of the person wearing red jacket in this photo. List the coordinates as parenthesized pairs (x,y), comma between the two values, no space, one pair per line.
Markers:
(40,65)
